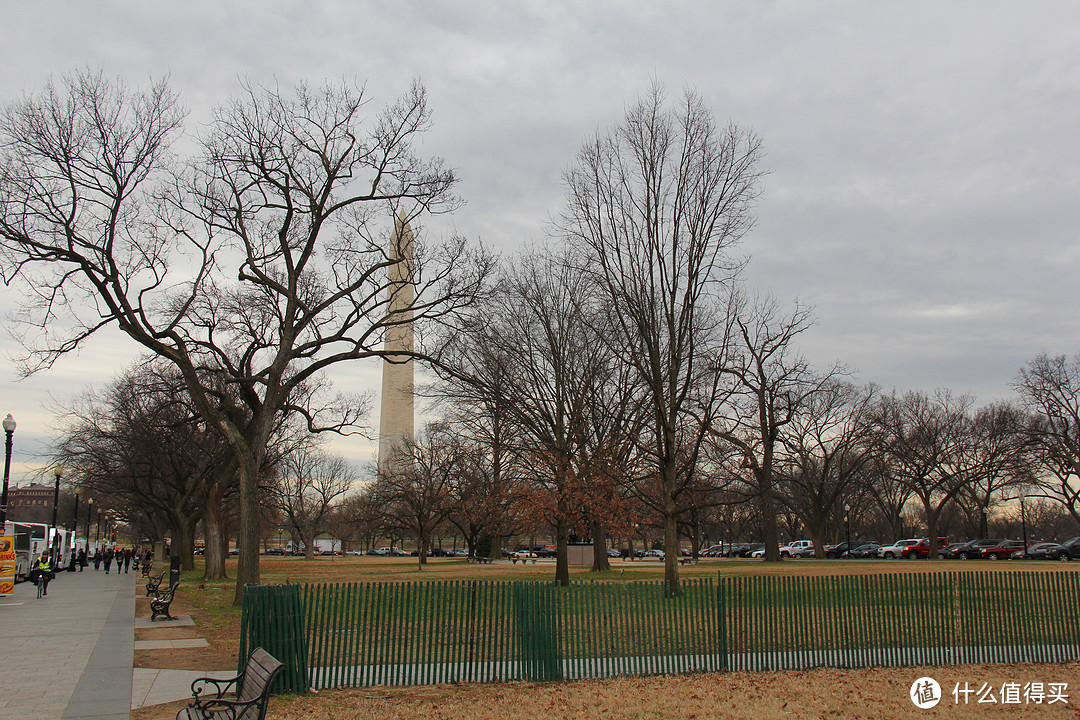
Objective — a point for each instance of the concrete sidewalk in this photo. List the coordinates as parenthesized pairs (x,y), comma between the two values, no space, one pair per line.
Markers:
(69,655)
(152,686)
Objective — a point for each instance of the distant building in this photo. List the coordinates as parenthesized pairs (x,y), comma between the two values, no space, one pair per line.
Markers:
(31,503)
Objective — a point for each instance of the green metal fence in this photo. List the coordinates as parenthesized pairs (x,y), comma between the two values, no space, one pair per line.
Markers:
(415,633)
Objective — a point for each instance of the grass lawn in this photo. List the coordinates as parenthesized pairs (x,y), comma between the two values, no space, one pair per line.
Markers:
(820,693)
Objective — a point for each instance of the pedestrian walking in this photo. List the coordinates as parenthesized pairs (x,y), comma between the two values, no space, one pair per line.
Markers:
(108,559)
(97,558)
(81,559)
(127,560)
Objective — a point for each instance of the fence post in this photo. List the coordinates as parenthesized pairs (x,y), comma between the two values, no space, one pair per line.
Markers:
(272,617)
(538,643)
(721,622)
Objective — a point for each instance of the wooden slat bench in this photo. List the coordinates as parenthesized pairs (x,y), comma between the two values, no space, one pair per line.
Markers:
(252,692)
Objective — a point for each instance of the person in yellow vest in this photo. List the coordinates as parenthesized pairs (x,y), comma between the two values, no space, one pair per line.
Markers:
(44,570)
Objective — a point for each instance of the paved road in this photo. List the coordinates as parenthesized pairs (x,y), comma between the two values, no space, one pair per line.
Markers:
(68,656)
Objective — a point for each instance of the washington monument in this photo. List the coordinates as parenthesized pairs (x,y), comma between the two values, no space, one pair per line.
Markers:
(396,416)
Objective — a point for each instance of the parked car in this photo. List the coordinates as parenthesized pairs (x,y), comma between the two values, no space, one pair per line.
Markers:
(747,550)
(950,551)
(836,551)
(1001,551)
(972,550)
(654,553)
(1072,549)
(921,549)
(866,550)
(797,549)
(387,551)
(897,549)
(1041,551)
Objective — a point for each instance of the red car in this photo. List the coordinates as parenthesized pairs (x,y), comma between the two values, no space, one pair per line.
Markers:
(1001,551)
(922,548)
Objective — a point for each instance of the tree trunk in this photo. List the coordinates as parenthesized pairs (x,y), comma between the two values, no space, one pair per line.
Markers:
(671,529)
(931,528)
(212,555)
(815,525)
(247,566)
(187,552)
(181,539)
(562,564)
(671,550)
(772,531)
(600,562)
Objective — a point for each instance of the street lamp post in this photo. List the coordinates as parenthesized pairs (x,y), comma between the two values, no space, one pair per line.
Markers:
(9,430)
(847,525)
(75,517)
(97,532)
(58,472)
(89,515)
(1023,523)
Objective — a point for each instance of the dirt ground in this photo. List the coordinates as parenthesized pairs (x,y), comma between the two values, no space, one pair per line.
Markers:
(825,693)
(828,693)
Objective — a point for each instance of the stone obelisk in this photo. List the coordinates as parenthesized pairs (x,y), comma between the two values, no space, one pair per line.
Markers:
(396,416)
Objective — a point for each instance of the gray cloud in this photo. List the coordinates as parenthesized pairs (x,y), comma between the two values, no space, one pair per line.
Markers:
(925,166)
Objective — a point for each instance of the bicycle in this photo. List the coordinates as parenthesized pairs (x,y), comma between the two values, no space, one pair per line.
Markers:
(40,585)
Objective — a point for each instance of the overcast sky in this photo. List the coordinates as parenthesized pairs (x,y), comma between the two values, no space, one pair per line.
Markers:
(924,186)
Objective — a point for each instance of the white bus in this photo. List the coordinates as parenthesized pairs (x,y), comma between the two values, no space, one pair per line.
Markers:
(32,540)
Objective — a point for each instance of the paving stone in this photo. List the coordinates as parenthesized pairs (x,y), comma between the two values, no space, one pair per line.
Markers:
(170,644)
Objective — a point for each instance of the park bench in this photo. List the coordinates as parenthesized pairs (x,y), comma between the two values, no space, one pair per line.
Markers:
(481,560)
(146,568)
(159,604)
(515,560)
(688,561)
(252,692)
(153,584)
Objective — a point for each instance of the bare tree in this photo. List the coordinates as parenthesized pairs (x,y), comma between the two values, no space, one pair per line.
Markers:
(771,385)
(1050,387)
(416,495)
(258,268)
(929,440)
(1000,458)
(653,208)
(474,387)
(308,486)
(364,514)
(556,367)
(885,490)
(138,444)
(827,447)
